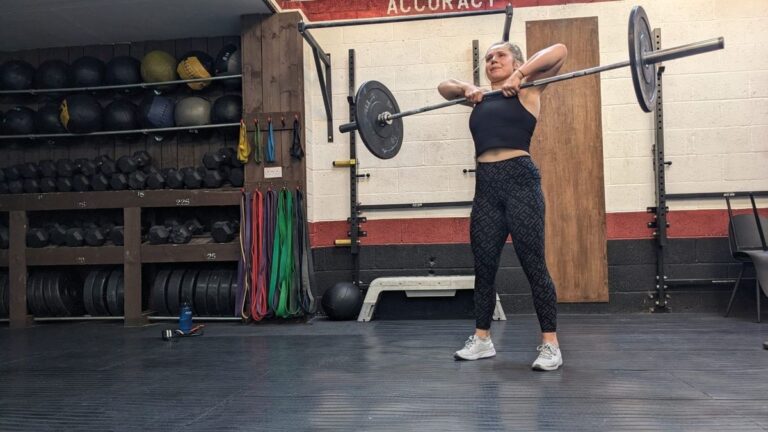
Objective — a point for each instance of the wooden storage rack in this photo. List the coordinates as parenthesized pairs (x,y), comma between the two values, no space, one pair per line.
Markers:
(132,255)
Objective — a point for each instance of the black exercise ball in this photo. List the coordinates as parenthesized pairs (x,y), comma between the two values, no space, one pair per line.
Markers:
(123,70)
(81,113)
(192,111)
(52,74)
(227,109)
(86,72)
(47,120)
(156,112)
(120,115)
(342,301)
(228,62)
(19,120)
(16,75)
(193,65)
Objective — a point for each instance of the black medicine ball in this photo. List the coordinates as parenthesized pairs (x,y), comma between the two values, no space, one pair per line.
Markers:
(52,74)
(228,62)
(47,120)
(120,115)
(156,112)
(342,301)
(81,113)
(123,70)
(86,72)
(19,120)
(16,75)
(227,109)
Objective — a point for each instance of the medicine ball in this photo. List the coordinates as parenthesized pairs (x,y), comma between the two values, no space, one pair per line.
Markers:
(19,120)
(16,75)
(158,66)
(81,113)
(227,109)
(123,70)
(193,111)
(47,120)
(228,62)
(120,115)
(195,64)
(156,112)
(342,301)
(86,72)
(52,74)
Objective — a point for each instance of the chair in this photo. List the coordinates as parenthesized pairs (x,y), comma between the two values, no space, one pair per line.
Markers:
(747,244)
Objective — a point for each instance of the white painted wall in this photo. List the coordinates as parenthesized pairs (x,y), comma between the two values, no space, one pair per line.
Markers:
(716,106)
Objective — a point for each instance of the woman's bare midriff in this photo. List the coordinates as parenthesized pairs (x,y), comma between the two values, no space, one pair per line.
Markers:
(500,154)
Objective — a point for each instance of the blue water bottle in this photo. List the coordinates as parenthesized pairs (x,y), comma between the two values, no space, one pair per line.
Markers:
(185,318)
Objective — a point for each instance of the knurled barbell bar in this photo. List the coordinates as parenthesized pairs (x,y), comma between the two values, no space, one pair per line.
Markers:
(378,116)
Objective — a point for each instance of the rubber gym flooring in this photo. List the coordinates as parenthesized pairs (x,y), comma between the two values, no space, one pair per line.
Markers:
(663,372)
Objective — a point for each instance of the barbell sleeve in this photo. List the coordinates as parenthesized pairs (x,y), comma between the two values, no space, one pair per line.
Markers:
(348,127)
(685,50)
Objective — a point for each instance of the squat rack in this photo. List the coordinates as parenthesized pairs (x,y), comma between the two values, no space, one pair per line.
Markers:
(660,224)
(323,66)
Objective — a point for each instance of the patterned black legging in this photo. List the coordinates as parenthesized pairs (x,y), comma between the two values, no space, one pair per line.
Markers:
(508,200)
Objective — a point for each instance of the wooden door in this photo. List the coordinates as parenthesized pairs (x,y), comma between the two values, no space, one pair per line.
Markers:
(568,148)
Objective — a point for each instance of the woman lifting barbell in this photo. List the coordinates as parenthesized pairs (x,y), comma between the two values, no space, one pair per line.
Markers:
(508,196)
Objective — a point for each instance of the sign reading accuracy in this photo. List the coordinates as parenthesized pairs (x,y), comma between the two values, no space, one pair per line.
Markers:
(397,7)
(330,10)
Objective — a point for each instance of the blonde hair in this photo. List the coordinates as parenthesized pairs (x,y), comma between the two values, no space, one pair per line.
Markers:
(517,53)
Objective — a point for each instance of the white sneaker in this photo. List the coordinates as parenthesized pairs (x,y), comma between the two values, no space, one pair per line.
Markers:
(476,348)
(550,358)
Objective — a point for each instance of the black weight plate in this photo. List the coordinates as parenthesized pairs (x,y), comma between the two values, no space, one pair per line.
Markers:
(157,295)
(120,297)
(212,293)
(39,293)
(114,281)
(70,293)
(100,292)
(382,139)
(640,44)
(31,305)
(90,309)
(225,285)
(51,295)
(200,289)
(173,292)
(40,288)
(4,296)
(233,288)
(188,286)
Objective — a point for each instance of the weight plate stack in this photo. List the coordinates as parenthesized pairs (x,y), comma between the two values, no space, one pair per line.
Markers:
(113,293)
(158,293)
(173,291)
(201,286)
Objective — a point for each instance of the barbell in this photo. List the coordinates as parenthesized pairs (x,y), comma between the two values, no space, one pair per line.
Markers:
(378,118)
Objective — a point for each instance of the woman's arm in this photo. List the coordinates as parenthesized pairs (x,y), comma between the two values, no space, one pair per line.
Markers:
(544,64)
(454,89)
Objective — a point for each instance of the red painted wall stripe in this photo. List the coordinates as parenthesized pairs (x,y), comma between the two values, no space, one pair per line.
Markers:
(619,226)
(329,10)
